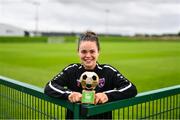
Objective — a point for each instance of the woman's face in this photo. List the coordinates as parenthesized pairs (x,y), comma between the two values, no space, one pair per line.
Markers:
(88,53)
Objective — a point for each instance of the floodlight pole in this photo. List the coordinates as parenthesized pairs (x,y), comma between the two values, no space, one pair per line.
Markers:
(37,4)
(106,22)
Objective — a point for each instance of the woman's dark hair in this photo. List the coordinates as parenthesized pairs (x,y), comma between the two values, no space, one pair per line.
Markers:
(89,36)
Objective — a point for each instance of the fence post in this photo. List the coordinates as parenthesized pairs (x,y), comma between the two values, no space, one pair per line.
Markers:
(76,111)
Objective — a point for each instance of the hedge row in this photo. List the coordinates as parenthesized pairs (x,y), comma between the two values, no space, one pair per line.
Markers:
(19,39)
(61,39)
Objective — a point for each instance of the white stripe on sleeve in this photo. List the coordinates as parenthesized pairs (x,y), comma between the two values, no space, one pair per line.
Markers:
(121,90)
(107,66)
(58,90)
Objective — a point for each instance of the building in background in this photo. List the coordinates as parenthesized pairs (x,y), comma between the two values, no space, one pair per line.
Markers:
(10,30)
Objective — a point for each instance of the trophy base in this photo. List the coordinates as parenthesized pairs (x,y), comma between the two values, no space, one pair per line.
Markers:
(88,96)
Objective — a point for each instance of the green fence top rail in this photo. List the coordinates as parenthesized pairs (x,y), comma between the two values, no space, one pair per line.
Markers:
(35,91)
(89,110)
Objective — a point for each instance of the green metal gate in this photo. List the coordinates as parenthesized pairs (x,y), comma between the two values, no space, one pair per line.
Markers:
(23,101)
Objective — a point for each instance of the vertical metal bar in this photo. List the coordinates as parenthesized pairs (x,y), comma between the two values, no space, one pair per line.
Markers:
(41,107)
(47,110)
(145,109)
(32,111)
(170,107)
(3,105)
(28,103)
(22,96)
(35,100)
(133,112)
(149,108)
(29,109)
(50,110)
(4,91)
(141,109)
(26,106)
(8,109)
(76,111)
(31,115)
(1,99)
(156,109)
(153,109)
(54,111)
(12,103)
(38,110)
(123,113)
(127,113)
(6,112)
(120,114)
(58,112)
(9,102)
(137,111)
(164,108)
(35,107)
(20,104)
(160,108)
(44,109)
(178,106)
(167,107)
(60,109)
(173,106)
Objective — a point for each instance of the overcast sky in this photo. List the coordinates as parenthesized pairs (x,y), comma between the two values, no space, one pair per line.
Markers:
(102,16)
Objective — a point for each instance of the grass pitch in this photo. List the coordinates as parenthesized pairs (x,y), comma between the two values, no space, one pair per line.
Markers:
(149,65)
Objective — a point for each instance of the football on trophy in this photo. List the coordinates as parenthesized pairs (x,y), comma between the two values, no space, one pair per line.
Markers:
(89,80)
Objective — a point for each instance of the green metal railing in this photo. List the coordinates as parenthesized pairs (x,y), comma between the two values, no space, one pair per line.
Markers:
(157,104)
(23,101)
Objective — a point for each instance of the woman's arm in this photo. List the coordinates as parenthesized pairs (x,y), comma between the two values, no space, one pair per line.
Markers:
(123,88)
(56,87)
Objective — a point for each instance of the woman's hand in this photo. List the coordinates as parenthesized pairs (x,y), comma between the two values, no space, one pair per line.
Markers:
(100,98)
(75,97)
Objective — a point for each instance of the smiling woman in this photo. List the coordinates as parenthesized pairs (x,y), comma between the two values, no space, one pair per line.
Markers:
(112,84)
(88,49)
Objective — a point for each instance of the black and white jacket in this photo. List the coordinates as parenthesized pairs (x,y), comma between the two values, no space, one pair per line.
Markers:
(111,82)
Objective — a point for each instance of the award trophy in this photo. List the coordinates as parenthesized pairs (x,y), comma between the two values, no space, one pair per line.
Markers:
(89,81)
